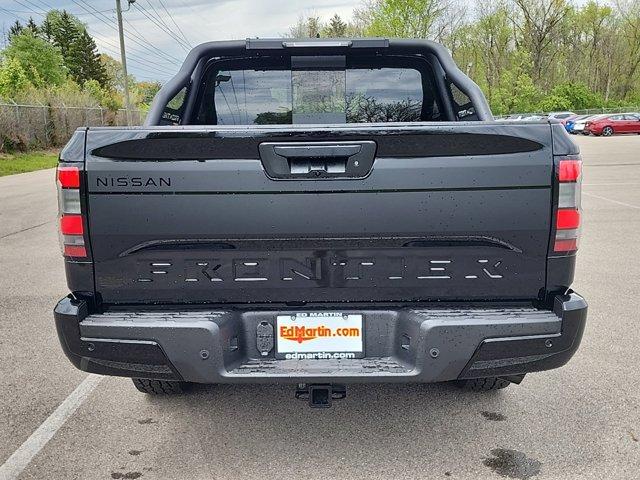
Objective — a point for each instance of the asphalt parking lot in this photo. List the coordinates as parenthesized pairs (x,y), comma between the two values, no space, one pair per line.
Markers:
(580,421)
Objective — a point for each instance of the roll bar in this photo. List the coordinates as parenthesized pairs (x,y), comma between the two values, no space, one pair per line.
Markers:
(320,46)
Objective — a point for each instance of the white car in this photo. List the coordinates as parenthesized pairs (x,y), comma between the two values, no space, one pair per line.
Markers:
(561,115)
(579,124)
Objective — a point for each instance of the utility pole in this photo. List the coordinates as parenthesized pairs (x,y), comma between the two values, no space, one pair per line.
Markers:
(123,58)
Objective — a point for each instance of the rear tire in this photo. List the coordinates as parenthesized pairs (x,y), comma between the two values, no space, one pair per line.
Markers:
(607,131)
(483,384)
(159,387)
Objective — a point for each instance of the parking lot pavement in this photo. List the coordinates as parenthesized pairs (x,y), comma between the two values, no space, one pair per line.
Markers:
(580,421)
(35,373)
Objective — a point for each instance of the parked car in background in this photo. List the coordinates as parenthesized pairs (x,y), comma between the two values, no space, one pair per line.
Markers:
(562,116)
(570,123)
(607,125)
(525,117)
(530,118)
(579,125)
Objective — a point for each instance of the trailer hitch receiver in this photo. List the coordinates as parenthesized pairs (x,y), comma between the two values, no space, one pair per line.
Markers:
(320,395)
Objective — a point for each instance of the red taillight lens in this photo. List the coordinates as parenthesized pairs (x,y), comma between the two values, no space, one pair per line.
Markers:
(69,177)
(569,170)
(75,251)
(568,218)
(71,225)
(569,175)
(566,245)
(70,209)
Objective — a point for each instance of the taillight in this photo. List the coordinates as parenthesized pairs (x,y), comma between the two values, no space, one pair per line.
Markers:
(69,177)
(72,232)
(71,225)
(568,218)
(569,170)
(568,214)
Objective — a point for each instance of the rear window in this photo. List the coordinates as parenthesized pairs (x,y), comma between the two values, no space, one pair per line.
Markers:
(272,93)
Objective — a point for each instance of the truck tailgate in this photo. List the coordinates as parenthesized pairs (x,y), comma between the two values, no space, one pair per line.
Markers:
(204,215)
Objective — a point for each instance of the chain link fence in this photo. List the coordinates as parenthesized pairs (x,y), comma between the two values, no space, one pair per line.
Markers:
(588,111)
(24,127)
(594,111)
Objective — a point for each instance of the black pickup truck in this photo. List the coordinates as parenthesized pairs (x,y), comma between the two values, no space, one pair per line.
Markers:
(320,212)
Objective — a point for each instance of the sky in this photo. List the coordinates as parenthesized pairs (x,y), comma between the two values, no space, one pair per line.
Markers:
(152,52)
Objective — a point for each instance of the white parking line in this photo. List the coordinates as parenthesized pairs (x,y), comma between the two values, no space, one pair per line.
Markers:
(612,201)
(21,458)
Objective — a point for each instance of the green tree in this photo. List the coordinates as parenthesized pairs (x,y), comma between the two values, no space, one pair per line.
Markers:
(84,61)
(13,78)
(485,47)
(77,47)
(41,61)
(577,95)
(517,91)
(629,12)
(306,27)
(540,25)
(313,27)
(336,28)
(32,26)
(591,49)
(551,103)
(108,99)
(147,91)
(62,30)
(406,18)
(93,88)
(114,73)
(15,29)
(526,55)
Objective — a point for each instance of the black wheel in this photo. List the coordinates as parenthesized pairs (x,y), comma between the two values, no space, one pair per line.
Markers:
(607,131)
(159,387)
(483,384)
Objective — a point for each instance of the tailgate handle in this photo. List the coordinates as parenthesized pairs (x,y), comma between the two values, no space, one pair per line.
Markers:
(295,160)
(305,159)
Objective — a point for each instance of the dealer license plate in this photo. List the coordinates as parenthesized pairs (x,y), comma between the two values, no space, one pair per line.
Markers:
(319,335)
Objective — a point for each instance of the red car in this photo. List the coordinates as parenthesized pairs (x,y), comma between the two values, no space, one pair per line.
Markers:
(613,124)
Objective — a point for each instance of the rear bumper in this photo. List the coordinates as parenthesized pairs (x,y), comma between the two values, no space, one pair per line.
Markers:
(401,345)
